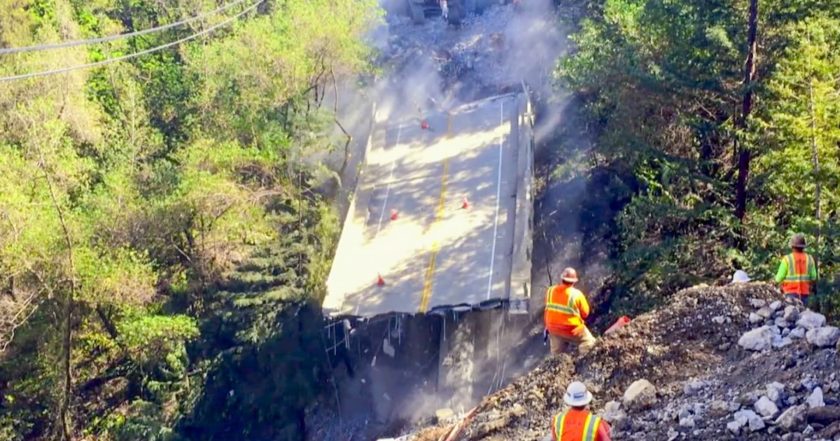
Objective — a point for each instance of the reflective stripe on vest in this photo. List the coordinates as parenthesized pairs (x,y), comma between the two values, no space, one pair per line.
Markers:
(559,425)
(569,308)
(793,275)
(797,280)
(590,428)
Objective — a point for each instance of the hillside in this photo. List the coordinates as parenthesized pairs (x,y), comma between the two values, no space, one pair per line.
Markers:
(707,384)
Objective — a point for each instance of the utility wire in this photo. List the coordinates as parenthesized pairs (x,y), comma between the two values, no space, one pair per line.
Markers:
(66,44)
(133,55)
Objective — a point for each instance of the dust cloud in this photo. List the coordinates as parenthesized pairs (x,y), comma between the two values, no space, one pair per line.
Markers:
(438,66)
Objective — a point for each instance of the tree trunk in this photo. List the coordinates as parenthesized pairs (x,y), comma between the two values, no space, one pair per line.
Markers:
(814,155)
(744,155)
(65,424)
(817,190)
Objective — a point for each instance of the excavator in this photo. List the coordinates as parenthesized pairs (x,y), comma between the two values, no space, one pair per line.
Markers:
(458,9)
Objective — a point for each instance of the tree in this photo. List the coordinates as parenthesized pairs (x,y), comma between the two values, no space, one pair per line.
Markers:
(744,154)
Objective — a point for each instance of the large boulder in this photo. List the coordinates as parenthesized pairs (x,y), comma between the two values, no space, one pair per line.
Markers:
(792,418)
(758,339)
(640,395)
(810,320)
(823,337)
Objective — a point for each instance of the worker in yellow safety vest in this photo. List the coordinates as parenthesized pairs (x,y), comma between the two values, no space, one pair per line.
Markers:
(578,423)
(566,309)
(797,271)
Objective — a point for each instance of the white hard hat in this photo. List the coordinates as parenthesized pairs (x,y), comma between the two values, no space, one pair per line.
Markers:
(577,395)
(740,277)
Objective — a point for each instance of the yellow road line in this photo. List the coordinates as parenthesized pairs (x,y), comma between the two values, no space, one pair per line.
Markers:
(429,277)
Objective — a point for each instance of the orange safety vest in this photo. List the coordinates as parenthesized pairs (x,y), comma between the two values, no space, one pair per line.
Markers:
(798,279)
(561,310)
(575,425)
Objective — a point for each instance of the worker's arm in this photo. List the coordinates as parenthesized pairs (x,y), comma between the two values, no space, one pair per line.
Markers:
(782,272)
(812,269)
(583,306)
(603,433)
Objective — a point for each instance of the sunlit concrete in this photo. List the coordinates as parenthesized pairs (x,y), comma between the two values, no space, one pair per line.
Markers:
(435,253)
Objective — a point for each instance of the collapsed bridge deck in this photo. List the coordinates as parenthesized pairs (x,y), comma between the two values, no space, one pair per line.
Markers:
(442,212)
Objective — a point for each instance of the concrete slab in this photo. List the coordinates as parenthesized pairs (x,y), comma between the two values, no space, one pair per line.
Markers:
(435,253)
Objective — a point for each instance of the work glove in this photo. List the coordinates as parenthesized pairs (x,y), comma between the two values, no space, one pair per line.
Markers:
(545,336)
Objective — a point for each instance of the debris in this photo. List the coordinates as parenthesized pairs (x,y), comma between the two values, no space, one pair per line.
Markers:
(776,392)
(612,412)
(815,399)
(765,312)
(791,314)
(823,337)
(791,418)
(757,303)
(700,394)
(810,320)
(757,340)
(766,407)
(445,415)
(640,395)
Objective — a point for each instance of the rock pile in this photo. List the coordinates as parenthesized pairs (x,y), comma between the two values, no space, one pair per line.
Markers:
(725,363)
(788,344)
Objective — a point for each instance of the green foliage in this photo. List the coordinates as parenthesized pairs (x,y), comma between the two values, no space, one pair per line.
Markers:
(137,200)
(153,339)
(663,84)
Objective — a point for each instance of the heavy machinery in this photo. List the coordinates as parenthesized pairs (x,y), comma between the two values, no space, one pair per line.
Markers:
(458,9)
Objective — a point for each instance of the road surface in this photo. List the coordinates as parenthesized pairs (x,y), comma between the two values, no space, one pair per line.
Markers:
(433,214)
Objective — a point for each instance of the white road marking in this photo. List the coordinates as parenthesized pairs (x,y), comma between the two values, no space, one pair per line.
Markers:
(390,180)
(498,196)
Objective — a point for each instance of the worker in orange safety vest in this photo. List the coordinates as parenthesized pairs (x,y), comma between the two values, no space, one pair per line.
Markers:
(566,309)
(578,423)
(797,271)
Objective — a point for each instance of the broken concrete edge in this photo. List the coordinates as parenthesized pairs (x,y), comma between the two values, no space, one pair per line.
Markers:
(520,275)
(330,310)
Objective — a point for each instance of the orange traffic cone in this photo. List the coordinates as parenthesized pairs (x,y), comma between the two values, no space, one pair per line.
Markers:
(424,124)
(465,203)
(394,214)
(379,280)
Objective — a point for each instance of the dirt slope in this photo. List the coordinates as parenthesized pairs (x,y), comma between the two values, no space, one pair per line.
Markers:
(704,379)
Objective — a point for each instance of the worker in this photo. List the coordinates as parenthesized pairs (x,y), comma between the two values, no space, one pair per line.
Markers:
(444,9)
(578,423)
(566,309)
(797,271)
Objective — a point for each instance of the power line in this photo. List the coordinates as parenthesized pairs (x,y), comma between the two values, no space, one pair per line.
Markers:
(66,44)
(133,55)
